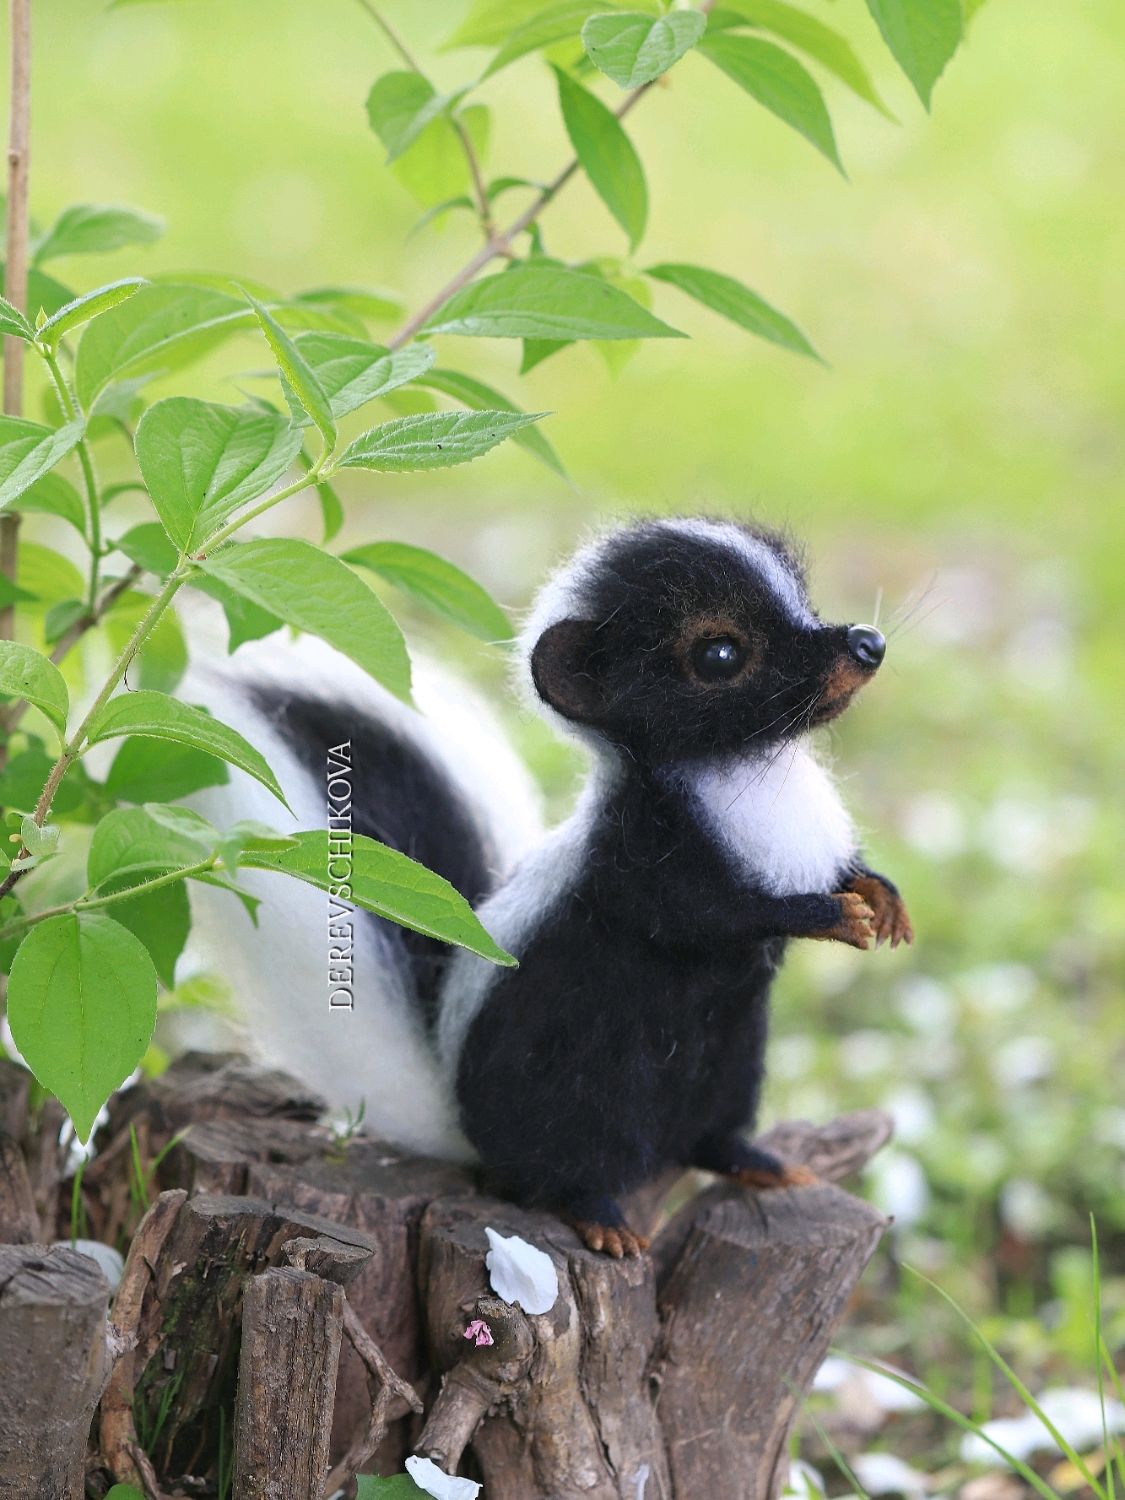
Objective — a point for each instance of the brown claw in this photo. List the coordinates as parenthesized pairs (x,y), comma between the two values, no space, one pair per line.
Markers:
(890,919)
(763,1180)
(617,1241)
(856,924)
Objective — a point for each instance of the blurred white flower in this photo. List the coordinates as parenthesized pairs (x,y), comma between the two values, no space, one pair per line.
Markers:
(521,1273)
(912,1110)
(926,1005)
(1024,1060)
(1075,1412)
(803,1482)
(792,1056)
(999,988)
(1040,655)
(1026,1208)
(885,1474)
(899,1187)
(427,1476)
(865,1054)
(934,825)
(864,1397)
(109,1260)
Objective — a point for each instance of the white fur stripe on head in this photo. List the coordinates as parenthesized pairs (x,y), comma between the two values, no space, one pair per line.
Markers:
(771,568)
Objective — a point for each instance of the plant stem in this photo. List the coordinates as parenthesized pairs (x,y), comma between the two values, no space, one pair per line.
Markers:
(500,244)
(93,508)
(73,746)
(480,189)
(15,270)
(92,903)
(312,477)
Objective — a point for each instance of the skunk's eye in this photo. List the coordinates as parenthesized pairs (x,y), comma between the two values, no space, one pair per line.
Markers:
(718,658)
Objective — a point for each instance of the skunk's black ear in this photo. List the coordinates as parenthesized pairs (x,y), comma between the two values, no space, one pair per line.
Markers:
(561,668)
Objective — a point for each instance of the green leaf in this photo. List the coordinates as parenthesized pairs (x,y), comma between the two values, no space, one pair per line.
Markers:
(13,322)
(87,307)
(779,82)
(148,713)
(386,882)
(148,770)
(606,154)
(474,393)
(922,36)
(60,617)
(141,842)
(47,576)
(363,302)
(82,1008)
(202,463)
(298,377)
(437,583)
(815,39)
(153,332)
(401,105)
(553,24)
(96,229)
(433,440)
(725,295)
(245,621)
(148,546)
(490,22)
(372,1487)
(123,1491)
(161,920)
(331,511)
(28,451)
(318,593)
(53,495)
(352,371)
(546,302)
(633,49)
(435,167)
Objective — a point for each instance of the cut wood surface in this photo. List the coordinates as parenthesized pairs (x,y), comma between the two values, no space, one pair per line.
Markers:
(321,1289)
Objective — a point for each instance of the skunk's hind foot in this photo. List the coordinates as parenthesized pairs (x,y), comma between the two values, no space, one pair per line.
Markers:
(611,1239)
(750,1166)
(764,1179)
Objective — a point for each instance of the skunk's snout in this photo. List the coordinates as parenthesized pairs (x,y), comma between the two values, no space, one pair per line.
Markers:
(867,645)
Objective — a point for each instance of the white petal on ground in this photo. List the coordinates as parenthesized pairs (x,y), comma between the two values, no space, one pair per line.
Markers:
(108,1259)
(804,1482)
(1075,1412)
(427,1476)
(521,1273)
(885,1474)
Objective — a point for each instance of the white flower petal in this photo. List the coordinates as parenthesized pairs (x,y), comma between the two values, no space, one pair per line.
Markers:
(803,1482)
(521,1273)
(885,1474)
(427,1476)
(1074,1411)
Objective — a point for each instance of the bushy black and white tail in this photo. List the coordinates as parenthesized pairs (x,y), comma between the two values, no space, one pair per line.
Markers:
(442,785)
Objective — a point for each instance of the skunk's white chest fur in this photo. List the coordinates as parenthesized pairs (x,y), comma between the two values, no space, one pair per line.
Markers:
(780,818)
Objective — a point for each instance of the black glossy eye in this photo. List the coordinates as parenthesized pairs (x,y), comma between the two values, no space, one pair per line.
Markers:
(718,658)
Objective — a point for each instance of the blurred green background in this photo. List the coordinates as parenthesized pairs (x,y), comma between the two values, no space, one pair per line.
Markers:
(960,459)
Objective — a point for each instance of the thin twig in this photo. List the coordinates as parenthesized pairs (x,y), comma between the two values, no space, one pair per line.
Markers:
(385,1387)
(15,272)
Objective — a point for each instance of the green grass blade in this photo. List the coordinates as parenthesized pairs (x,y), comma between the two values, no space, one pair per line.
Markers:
(1018,1386)
(935,1403)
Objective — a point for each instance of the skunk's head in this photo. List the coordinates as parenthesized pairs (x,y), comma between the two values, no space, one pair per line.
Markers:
(673,640)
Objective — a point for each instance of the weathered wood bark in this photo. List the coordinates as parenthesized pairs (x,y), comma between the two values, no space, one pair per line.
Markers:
(19,1222)
(193,1307)
(292,1325)
(53,1362)
(669,1376)
(748,1311)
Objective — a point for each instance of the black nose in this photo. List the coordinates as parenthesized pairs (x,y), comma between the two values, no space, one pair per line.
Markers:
(867,645)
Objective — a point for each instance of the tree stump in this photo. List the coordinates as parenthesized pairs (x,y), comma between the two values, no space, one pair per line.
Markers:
(53,1364)
(321,1289)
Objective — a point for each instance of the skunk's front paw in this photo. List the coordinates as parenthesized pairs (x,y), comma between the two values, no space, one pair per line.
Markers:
(615,1240)
(855,924)
(891,920)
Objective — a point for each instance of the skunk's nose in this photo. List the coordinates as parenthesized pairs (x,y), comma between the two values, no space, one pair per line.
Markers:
(867,645)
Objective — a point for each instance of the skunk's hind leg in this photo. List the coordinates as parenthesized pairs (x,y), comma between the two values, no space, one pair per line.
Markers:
(601,1226)
(731,1156)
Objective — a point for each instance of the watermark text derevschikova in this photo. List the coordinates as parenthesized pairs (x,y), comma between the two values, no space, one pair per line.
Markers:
(341,912)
